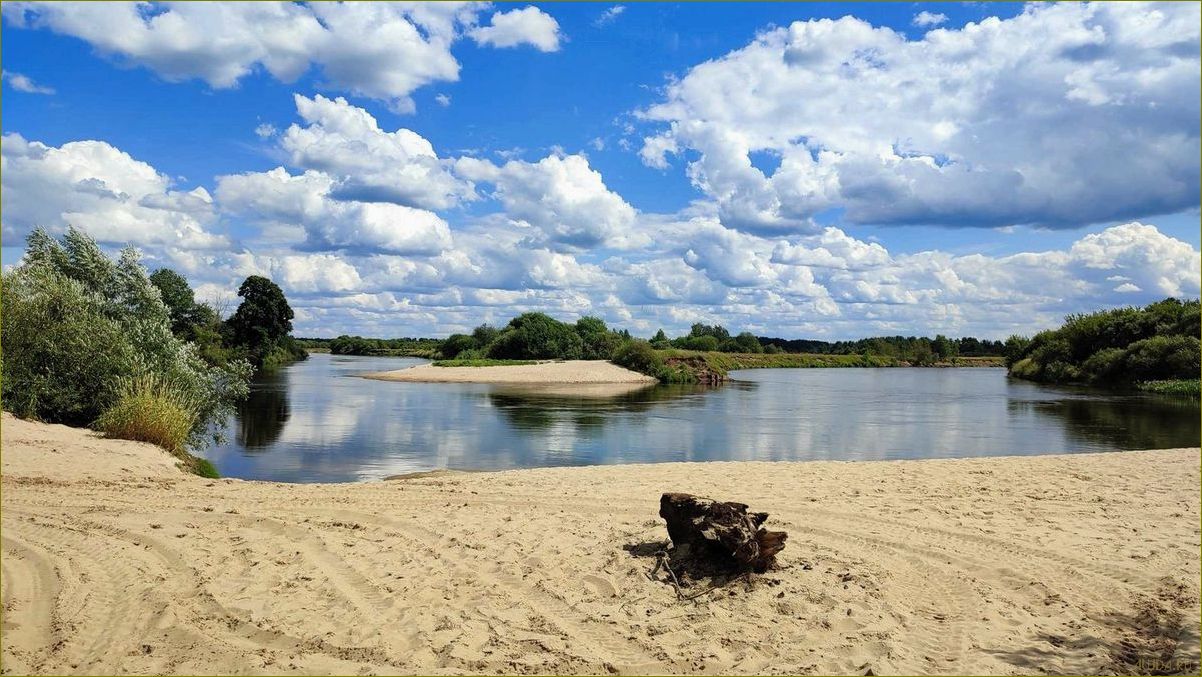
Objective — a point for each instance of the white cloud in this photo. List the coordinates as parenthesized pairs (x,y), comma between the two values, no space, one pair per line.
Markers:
(23,83)
(379,50)
(526,26)
(609,16)
(266,131)
(277,197)
(560,195)
(100,189)
(924,19)
(368,163)
(1065,115)
(443,100)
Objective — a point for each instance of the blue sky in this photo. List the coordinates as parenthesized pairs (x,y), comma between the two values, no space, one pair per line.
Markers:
(828,169)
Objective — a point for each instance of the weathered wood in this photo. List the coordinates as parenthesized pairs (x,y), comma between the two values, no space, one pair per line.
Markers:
(722,531)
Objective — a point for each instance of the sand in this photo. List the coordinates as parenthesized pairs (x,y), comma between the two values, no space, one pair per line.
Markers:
(567,371)
(115,562)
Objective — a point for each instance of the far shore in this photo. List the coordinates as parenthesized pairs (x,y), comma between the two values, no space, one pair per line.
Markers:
(561,372)
(117,562)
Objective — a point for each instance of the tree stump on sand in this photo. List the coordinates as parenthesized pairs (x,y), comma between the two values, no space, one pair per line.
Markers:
(723,532)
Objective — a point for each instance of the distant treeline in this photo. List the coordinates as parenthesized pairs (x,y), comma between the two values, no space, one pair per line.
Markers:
(902,347)
(358,345)
(1124,346)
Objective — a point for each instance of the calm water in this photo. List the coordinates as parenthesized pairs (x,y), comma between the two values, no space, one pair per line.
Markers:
(316,421)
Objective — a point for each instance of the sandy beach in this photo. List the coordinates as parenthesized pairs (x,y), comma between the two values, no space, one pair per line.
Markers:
(563,372)
(116,562)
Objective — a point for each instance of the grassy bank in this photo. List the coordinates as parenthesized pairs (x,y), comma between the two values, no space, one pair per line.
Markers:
(1176,387)
(482,362)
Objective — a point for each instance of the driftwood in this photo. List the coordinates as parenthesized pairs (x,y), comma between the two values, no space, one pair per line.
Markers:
(724,533)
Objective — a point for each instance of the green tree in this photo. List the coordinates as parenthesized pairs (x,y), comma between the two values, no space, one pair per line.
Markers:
(748,343)
(180,301)
(942,347)
(537,336)
(262,323)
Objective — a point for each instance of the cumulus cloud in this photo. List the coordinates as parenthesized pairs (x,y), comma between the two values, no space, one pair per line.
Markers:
(526,26)
(23,83)
(926,19)
(277,197)
(367,163)
(379,50)
(560,195)
(1066,115)
(100,189)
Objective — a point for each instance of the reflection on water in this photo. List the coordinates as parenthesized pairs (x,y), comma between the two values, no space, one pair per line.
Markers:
(262,415)
(317,421)
(1151,422)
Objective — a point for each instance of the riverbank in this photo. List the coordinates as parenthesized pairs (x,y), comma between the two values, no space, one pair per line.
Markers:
(116,562)
(564,372)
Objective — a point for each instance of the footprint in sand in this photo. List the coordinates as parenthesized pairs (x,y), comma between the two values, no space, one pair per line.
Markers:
(601,586)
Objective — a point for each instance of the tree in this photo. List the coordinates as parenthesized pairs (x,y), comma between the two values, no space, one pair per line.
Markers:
(748,343)
(264,316)
(537,336)
(942,347)
(262,323)
(180,301)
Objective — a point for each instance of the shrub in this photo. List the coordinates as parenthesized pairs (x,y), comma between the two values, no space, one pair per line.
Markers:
(455,344)
(601,346)
(1105,365)
(151,408)
(76,323)
(536,336)
(1163,357)
(639,356)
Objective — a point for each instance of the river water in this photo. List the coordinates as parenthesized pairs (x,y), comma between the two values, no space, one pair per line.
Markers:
(318,421)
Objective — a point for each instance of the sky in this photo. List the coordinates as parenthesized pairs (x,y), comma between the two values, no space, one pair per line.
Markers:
(818,170)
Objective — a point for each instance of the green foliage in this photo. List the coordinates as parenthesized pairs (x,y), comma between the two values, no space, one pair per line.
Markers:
(536,336)
(262,323)
(1015,348)
(1176,387)
(205,468)
(357,345)
(746,342)
(1120,346)
(639,356)
(77,324)
(456,344)
(481,362)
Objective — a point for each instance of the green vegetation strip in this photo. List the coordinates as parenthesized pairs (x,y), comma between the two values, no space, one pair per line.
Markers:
(1176,387)
(482,363)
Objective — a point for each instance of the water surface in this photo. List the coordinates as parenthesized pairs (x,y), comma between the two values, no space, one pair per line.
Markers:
(317,421)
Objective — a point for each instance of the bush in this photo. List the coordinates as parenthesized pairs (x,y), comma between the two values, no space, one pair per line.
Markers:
(639,356)
(152,409)
(536,336)
(1163,357)
(77,323)
(1124,345)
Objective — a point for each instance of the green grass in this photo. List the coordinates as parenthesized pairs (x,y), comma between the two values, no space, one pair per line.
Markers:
(482,362)
(724,362)
(1176,387)
(156,410)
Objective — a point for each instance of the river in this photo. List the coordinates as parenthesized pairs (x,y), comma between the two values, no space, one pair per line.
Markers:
(317,421)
